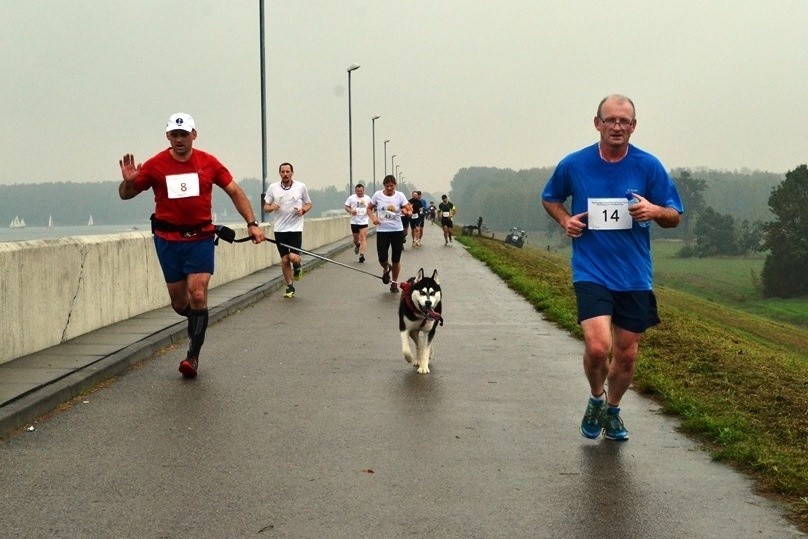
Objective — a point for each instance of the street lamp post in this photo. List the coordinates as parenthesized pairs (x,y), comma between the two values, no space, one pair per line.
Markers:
(351,67)
(373,124)
(385,156)
(263,111)
(393,165)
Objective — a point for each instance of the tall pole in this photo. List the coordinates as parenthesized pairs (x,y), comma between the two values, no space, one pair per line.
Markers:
(263,112)
(393,165)
(385,156)
(373,123)
(351,67)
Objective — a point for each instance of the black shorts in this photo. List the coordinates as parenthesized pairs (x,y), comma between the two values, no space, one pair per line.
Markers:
(405,221)
(417,221)
(632,311)
(384,242)
(292,239)
(447,222)
(357,228)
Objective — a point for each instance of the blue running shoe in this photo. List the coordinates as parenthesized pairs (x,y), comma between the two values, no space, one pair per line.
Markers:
(613,425)
(592,423)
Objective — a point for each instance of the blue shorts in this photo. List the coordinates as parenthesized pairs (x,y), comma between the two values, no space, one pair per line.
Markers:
(178,259)
(632,311)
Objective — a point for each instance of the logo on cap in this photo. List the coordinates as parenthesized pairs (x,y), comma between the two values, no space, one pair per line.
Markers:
(181,121)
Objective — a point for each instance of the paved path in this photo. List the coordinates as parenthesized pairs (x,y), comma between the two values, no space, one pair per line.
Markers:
(305,421)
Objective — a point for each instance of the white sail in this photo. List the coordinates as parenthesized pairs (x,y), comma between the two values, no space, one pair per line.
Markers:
(50,221)
(17,222)
(90,222)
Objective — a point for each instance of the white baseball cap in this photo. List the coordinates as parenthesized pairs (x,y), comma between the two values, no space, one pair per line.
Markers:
(181,121)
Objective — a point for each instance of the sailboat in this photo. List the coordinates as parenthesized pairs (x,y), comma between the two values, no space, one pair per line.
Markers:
(17,222)
(50,221)
(90,222)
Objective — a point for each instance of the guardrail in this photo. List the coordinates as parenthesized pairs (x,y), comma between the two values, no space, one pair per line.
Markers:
(57,289)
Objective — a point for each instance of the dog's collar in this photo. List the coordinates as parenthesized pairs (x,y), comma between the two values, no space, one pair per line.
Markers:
(431,314)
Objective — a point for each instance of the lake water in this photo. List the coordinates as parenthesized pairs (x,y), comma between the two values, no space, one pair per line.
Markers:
(43,232)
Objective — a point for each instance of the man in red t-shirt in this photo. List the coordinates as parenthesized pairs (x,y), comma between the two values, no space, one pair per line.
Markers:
(182,180)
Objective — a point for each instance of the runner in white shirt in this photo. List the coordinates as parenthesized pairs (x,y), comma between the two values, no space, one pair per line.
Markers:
(290,201)
(385,211)
(357,207)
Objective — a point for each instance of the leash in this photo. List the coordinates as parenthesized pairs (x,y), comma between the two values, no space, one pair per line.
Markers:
(229,235)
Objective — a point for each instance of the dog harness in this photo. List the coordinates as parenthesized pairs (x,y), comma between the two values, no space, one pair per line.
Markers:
(430,314)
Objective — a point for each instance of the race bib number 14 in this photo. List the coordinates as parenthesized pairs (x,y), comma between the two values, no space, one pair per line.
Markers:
(609,214)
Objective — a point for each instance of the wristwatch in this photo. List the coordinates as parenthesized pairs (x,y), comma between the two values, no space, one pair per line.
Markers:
(252,223)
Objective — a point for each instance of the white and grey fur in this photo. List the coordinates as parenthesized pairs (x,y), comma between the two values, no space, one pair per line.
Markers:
(419,311)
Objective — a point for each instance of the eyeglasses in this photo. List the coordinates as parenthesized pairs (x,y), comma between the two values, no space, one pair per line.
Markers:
(617,122)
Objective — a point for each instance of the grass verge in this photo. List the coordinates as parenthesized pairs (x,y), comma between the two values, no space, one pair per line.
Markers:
(738,382)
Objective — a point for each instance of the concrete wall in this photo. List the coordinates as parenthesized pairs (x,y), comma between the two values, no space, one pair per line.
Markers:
(54,290)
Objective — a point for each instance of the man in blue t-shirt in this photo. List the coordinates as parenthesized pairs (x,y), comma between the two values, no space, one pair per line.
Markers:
(616,190)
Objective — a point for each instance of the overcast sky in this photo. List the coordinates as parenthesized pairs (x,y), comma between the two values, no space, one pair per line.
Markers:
(457,83)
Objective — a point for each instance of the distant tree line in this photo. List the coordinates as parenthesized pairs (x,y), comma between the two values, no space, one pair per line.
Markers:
(72,203)
(707,232)
(726,214)
(506,198)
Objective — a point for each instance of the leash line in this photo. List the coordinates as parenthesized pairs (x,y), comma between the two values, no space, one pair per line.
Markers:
(229,235)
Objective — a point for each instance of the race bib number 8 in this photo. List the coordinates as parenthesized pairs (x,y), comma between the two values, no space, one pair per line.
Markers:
(182,185)
(609,214)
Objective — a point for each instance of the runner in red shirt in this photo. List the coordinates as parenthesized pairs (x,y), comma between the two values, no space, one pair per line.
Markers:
(182,180)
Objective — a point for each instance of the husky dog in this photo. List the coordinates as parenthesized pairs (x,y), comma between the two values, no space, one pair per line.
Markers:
(419,311)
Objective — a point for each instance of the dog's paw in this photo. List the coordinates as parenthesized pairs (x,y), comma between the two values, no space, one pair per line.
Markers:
(423,369)
(408,357)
